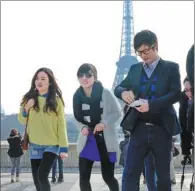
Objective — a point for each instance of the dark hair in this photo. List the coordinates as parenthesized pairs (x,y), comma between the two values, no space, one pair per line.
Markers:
(145,37)
(186,79)
(54,90)
(13,132)
(86,68)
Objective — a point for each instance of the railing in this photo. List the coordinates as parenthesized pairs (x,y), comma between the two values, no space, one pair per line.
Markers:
(71,161)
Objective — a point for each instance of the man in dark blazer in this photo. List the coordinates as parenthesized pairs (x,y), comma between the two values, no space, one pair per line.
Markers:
(157,83)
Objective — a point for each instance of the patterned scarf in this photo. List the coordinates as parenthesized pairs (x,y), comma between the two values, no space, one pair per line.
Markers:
(88,110)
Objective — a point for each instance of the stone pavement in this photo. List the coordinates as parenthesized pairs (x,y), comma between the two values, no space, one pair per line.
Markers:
(71,183)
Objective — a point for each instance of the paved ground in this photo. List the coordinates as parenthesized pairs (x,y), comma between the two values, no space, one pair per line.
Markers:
(71,182)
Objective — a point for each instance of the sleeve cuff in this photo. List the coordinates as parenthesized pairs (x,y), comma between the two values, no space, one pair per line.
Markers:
(24,113)
(84,127)
(63,149)
(118,91)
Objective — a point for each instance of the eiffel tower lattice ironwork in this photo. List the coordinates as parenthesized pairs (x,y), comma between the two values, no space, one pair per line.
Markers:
(127,56)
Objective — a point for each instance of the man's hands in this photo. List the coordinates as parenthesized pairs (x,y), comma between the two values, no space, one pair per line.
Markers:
(144,107)
(128,96)
(99,127)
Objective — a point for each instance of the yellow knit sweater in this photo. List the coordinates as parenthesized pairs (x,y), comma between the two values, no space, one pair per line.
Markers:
(46,128)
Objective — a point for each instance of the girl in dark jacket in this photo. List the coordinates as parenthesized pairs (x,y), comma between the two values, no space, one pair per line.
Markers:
(15,152)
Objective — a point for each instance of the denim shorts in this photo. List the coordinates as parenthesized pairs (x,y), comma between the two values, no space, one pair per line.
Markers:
(36,151)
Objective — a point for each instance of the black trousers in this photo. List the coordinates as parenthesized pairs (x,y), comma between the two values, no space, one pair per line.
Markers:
(41,169)
(107,168)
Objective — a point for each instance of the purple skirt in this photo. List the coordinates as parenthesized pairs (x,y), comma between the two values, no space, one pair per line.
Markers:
(90,151)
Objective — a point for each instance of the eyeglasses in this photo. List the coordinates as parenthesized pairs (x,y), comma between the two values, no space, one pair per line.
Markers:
(87,75)
(145,51)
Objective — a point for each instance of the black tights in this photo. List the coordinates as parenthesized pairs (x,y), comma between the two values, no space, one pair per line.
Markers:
(107,168)
(41,169)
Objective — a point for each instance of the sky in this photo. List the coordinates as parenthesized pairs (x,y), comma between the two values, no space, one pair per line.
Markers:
(63,35)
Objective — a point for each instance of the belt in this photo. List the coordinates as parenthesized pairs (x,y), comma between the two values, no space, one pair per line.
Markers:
(148,124)
(151,124)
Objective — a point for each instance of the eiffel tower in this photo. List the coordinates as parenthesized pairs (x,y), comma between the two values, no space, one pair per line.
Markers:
(127,56)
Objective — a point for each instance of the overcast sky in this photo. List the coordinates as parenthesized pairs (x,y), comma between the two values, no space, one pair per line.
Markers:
(63,35)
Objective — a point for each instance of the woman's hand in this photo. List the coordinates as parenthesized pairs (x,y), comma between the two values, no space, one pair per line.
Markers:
(99,127)
(29,104)
(63,155)
(85,131)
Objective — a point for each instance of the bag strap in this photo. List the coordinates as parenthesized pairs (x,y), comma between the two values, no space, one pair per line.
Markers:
(27,122)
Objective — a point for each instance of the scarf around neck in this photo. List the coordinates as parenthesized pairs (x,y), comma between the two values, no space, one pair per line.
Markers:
(88,110)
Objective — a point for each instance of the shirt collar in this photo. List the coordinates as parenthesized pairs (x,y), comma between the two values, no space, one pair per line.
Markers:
(152,65)
(44,95)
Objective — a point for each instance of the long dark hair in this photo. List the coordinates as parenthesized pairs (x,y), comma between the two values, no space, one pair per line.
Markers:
(54,90)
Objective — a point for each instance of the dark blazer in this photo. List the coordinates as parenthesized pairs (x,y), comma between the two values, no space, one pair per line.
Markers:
(15,149)
(168,90)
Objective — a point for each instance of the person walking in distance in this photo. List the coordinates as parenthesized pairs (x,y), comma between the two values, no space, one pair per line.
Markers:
(43,105)
(97,113)
(155,83)
(186,102)
(15,152)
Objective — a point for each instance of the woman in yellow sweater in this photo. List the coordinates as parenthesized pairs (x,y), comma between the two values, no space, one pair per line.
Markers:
(43,106)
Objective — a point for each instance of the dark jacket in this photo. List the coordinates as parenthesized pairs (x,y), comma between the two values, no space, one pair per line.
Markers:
(186,136)
(168,90)
(15,149)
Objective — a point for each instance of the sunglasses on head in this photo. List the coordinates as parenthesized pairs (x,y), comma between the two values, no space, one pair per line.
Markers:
(87,75)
